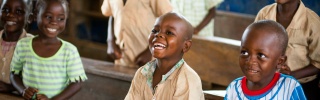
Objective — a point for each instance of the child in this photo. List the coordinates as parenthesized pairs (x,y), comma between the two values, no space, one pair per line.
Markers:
(133,21)
(46,67)
(262,52)
(302,25)
(14,17)
(167,77)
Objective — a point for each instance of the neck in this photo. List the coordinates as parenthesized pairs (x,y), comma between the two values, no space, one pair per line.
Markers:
(11,36)
(288,9)
(259,85)
(48,40)
(165,65)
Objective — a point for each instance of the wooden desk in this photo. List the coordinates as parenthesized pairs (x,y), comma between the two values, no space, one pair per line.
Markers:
(214,94)
(7,96)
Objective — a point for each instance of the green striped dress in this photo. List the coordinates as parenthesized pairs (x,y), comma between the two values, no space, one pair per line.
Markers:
(50,75)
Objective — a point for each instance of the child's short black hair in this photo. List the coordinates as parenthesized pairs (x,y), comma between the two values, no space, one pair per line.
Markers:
(42,4)
(274,27)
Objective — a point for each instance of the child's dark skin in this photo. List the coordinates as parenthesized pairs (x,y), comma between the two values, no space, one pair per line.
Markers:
(13,19)
(260,56)
(51,22)
(286,9)
(174,33)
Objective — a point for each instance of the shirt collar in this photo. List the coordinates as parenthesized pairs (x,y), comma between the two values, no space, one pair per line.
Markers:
(149,68)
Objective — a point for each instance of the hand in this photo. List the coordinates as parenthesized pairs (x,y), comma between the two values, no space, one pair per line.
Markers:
(113,50)
(196,31)
(42,97)
(285,69)
(29,92)
(143,57)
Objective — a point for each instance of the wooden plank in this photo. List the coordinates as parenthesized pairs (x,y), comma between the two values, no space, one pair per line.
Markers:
(231,25)
(7,96)
(215,59)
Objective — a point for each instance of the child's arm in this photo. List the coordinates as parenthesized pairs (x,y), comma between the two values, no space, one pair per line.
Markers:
(305,72)
(113,49)
(210,15)
(26,93)
(68,92)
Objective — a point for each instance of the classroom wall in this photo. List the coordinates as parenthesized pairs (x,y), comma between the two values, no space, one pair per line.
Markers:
(253,6)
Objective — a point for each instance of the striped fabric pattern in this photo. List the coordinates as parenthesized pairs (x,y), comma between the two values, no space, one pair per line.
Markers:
(287,88)
(52,74)
(195,11)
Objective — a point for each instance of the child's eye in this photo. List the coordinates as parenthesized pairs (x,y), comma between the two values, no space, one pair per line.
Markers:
(261,55)
(19,12)
(245,53)
(169,33)
(48,17)
(5,10)
(154,31)
(60,19)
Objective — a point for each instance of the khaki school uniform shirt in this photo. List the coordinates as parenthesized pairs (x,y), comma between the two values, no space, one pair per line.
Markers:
(133,24)
(5,59)
(182,84)
(304,37)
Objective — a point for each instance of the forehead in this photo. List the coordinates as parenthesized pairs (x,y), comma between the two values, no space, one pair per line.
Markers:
(54,7)
(171,21)
(14,3)
(259,39)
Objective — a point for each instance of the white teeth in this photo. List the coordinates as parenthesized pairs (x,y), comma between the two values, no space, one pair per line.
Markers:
(51,29)
(253,71)
(159,45)
(10,23)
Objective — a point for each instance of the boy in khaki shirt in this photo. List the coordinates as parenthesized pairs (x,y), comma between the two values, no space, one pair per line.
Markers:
(167,77)
(302,25)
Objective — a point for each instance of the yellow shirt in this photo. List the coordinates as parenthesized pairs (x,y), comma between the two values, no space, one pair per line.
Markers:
(5,60)
(133,24)
(304,37)
(182,84)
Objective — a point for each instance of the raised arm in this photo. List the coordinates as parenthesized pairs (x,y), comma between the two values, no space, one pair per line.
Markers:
(113,49)
(210,15)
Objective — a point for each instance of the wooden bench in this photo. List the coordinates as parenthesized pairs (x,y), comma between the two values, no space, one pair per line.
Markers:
(106,81)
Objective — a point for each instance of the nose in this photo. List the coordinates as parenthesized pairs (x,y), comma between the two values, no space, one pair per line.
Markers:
(160,35)
(53,20)
(252,60)
(10,14)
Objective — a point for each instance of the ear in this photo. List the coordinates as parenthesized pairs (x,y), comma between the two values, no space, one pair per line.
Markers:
(281,61)
(187,45)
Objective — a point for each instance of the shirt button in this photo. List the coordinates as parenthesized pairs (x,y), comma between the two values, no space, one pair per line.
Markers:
(153,98)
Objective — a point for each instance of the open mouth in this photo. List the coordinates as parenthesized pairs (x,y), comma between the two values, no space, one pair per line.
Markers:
(252,71)
(51,29)
(159,46)
(10,23)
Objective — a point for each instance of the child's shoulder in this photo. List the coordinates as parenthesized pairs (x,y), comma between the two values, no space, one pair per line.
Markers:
(68,44)
(288,78)
(26,39)
(268,8)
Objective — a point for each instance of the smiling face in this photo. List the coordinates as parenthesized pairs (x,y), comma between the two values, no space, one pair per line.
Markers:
(260,54)
(52,19)
(13,15)
(169,37)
